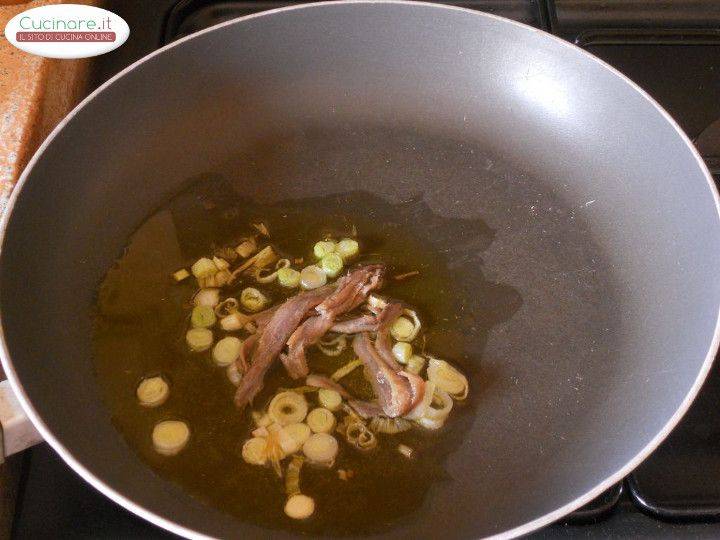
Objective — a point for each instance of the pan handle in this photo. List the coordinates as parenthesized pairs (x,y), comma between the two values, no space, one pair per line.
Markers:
(18,432)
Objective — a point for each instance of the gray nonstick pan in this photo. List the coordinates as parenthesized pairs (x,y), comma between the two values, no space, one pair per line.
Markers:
(591,296)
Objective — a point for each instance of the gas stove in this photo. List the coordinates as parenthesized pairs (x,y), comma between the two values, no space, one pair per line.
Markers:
(672,50)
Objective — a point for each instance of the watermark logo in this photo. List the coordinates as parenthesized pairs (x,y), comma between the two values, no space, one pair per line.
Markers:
(67,31)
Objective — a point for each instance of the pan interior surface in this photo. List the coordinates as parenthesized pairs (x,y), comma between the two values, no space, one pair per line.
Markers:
(595,302)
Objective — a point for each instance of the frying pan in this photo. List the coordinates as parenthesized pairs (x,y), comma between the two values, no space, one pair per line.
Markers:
(592,297)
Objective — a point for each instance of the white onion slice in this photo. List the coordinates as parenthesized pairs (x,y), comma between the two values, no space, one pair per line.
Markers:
(153,392)
(435,417)
(300,506)
(170,436)
(321,449)
(447,378)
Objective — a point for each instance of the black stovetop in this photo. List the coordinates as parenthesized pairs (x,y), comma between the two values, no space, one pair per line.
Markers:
(670,48)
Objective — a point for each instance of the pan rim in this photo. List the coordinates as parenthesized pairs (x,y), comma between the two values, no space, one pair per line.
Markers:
(181,530)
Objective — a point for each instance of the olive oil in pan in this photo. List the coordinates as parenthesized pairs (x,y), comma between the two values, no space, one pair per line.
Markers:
(142,318)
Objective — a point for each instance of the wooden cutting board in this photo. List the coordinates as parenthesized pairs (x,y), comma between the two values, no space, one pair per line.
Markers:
(35,94)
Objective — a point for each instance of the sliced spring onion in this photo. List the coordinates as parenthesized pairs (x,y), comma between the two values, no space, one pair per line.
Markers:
(246,248)
(254,451)
(347,248)
(298,431)
(227,253)
(358,434)
(181,275)
(203,268)
(418,411)
(402,352)
(288,277)
(153,392)
(199,339)
(274,449)
(331,264)
(288,443)
(222,278)
(263,258)
(330,399)
(333,346)
(288,408)
(262,229)
(300,506)
(346,369)
(324,247)
(351,426)
(405,450)
(292,478)
(438,410)
(202,317)
(415,364)
(207,297)
(404,328)
(219,279)
(260,419)
(312,277)
(234,321)
(352,416)
(383,424)
(321,449)
(226,307)
(260,432)
(367,440)
(226,351)
(447,378)
(170,437)
(321,420)
(252,299)
(262,276)
(233,374)
(221,264)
